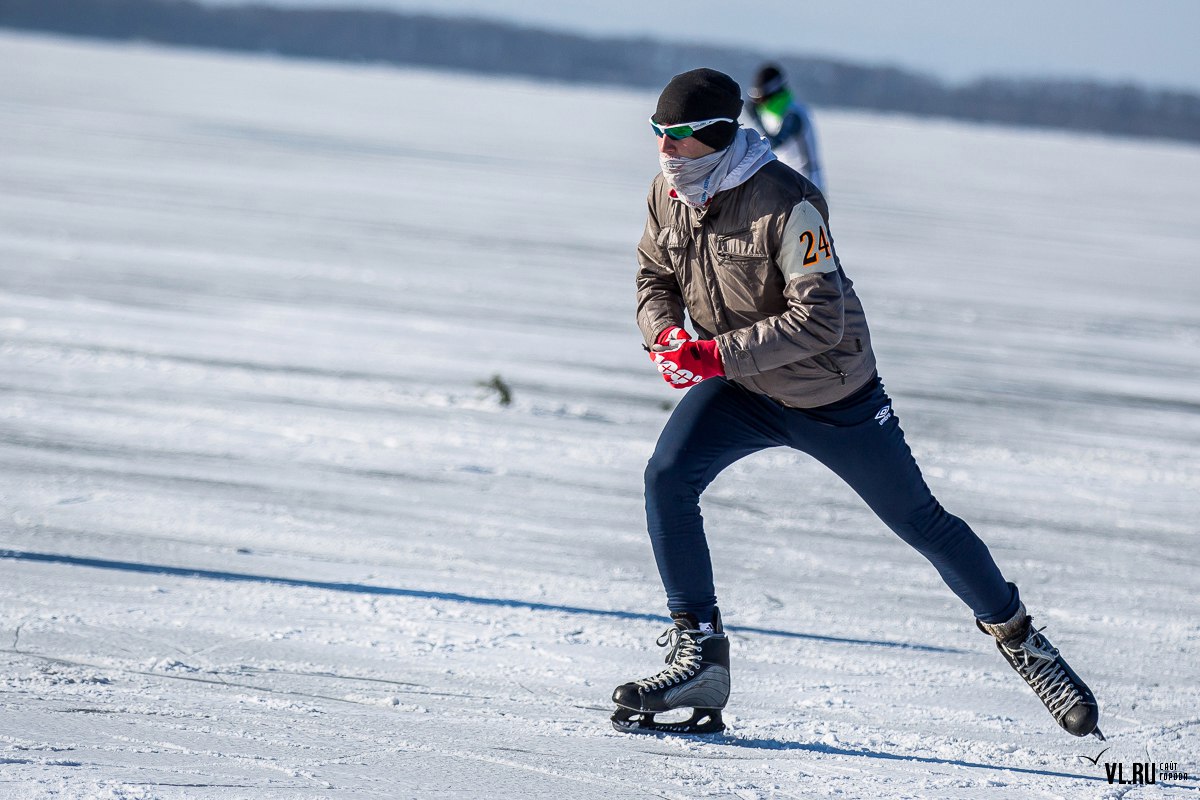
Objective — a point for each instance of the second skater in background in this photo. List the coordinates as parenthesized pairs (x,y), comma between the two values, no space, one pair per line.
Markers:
(786,123)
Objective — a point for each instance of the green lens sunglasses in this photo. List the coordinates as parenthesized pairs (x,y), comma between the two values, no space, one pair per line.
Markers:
(684,129)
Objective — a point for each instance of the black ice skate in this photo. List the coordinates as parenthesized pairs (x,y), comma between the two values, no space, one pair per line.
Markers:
(1030,653)
(696,677)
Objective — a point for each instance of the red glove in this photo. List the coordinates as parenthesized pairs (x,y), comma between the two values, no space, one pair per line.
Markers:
(683,361)
(671,336)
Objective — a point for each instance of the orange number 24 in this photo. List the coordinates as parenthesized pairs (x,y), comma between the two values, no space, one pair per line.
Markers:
(821,243)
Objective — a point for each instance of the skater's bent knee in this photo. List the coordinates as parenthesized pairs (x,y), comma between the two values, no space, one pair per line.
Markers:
(665,473)
(661,467)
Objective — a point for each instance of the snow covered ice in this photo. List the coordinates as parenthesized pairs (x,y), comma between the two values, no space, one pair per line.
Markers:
(265,532)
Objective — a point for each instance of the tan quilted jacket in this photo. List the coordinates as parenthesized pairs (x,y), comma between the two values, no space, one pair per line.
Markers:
(757,271)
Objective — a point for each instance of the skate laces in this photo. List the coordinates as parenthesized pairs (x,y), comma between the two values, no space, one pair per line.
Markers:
(1037,661)
(683,658)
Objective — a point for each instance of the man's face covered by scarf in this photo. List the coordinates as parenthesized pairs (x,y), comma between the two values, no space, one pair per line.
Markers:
(696,180)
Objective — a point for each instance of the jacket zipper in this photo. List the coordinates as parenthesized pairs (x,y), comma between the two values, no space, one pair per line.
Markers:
(828,364)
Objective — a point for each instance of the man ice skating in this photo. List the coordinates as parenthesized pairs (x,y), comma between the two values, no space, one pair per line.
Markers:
(781,357)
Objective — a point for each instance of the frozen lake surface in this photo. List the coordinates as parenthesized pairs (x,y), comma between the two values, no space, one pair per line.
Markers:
(265,532)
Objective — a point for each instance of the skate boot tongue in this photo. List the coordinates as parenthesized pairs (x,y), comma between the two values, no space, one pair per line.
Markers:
(687,621)
(1013,630)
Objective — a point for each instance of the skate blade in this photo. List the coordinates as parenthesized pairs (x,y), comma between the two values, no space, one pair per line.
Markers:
(702,721)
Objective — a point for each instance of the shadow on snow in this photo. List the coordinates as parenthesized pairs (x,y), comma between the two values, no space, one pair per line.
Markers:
(454,597)
(824,749)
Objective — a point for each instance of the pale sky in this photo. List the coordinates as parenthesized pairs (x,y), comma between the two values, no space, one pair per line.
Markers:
(1152,42)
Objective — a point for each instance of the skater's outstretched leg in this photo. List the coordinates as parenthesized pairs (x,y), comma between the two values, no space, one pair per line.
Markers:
(865,446)
(892,485)
(696,677)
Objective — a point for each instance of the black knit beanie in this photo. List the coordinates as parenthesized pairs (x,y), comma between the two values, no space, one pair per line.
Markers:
(698,95)
(768,81)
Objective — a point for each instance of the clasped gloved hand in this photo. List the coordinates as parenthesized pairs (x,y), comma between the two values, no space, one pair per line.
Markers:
(684,361)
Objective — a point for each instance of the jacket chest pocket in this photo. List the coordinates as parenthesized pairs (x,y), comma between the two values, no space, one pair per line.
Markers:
(675,243)
(744,264)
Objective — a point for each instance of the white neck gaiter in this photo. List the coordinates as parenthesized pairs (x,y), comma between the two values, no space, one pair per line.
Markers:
(696,180)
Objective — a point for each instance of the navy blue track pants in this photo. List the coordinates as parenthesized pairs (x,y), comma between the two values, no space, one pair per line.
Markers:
(719,422)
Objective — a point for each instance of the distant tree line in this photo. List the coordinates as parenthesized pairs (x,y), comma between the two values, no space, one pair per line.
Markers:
(503,49)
